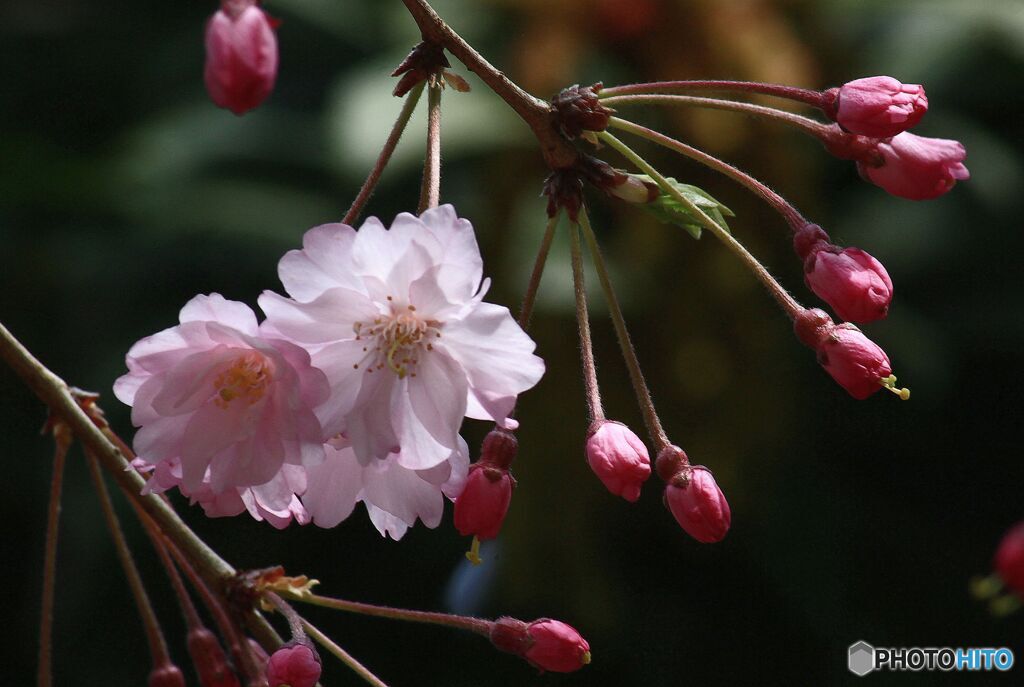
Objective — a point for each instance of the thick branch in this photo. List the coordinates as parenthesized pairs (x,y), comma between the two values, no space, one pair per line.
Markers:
(558,152)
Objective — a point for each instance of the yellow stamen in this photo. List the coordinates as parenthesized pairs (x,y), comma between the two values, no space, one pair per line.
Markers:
(473,555)
(585,658)
(890,384)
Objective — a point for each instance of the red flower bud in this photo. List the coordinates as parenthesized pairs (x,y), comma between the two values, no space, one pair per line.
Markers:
(855,284)
(879,106)
(698,505)
(916,167)
(241,56)
(209,660)
(1009,560)
(296,664)
(167,675)
(854,361)
(481,507)
(619,458)
(547,644)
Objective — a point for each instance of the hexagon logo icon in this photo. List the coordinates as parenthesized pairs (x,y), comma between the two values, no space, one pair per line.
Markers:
(861,658)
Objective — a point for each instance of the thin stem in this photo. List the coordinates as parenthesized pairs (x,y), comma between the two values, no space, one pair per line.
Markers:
(778,203)
(370,184)
(481,627)
(62,440)
(802,95)
(157,645)
(345,657)
(188,609)
(808,125)
(636,375)
(430,190)
(55,393)
(787,302)
(558,152)
(530,298)
(593,392)
(293,618)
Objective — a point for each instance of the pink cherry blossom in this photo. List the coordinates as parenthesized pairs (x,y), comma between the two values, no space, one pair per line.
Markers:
(854,283)
(293,665)
(854,360)
(241,56)
(556,646)
(395,319)
(218,405)
(395,496)
(916,167)
(619,458)
(880,106)
(698,505)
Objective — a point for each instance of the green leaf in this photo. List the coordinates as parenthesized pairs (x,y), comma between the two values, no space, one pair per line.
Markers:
(670,211)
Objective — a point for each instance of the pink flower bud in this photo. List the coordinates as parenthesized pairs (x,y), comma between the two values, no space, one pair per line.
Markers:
(241,56)
(481,507)
(698,505)
(854,361)
(293,665)
(547,644)
(619,458)
(916,167)
(167,675)
(855,284)
(879,106)
(1009,560)
(209,660)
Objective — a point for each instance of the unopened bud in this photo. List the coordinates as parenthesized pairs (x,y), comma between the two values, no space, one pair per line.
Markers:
(481,507)
(698,505)
(577,109)
(619,458)
(241,56)
(295,664)
(878,106)
(1009,559)
(635,190)
(545,643)
(209,660)
(850,280)
(915,167)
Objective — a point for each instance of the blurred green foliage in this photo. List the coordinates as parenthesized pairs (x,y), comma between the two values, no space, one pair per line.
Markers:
(123,192)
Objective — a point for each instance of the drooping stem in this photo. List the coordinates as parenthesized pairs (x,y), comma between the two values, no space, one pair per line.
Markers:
(806,124)
(188,609)
(530,298)
(802,95)
(558,152)
(787,302)
(370,184)
(55,393)
(593,392)
(636,375)
(430,190)
(293,618)
(62,440)
(342,655)
(481,627)
(778,203)
(155,637)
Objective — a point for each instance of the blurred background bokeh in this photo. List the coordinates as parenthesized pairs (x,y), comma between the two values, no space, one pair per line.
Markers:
(123,192)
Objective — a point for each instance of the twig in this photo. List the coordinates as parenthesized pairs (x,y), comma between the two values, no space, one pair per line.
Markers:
(62,440)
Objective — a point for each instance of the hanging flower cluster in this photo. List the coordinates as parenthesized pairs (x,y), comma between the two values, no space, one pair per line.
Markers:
(352,389)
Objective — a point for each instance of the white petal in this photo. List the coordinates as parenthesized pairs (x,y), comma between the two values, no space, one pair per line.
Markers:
(386,523)
(190,383)
(369,425)
(427,411)
(330,317)
(459,249)
(376,250)
(216,308)
(338,361)
(333,487)
(324,262)
(402,493)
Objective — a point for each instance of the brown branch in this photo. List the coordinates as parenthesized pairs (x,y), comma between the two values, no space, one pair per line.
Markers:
(558,152)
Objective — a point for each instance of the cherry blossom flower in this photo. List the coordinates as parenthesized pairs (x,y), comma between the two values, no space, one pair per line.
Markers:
(395,496)
(395,319)
(915,167)
(698,505)
(619,458)
(219,406)
(241,56)
(879,106)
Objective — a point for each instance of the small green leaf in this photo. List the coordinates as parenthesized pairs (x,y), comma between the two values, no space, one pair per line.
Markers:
(670,211)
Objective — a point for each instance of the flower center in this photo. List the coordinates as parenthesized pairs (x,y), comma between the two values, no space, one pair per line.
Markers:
(396,340)
(246,378)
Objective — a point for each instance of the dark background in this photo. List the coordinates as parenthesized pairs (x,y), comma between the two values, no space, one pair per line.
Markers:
(124,192)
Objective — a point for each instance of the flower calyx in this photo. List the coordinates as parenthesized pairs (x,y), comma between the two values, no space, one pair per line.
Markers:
(577,109)
(424,61)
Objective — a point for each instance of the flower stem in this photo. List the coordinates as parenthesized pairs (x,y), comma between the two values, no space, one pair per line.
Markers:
(430,190)
(808,125)
(62,440)
(787,302)
(157,645)
(55,393)
(293,618)
(481,627)
(530,298)
(593,392)
(636,375)
(778,203)
(370,184)
(188,609)
(345,657)
(802,95)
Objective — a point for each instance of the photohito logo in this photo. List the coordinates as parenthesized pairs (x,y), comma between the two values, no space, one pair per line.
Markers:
(862,658)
